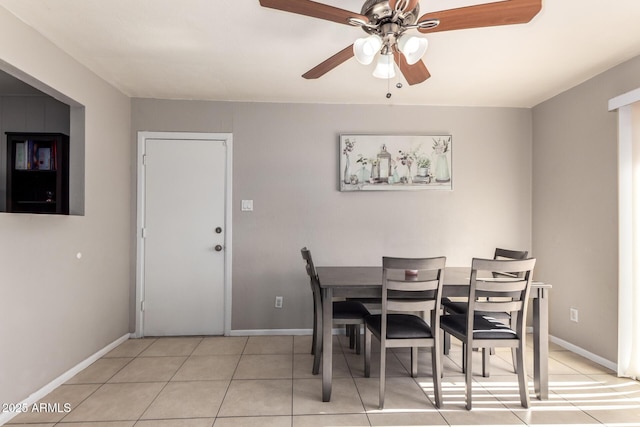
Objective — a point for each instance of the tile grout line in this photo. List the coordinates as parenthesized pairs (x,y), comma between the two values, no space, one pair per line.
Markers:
(244,347)
(103,383)
(167,382)
(364,407)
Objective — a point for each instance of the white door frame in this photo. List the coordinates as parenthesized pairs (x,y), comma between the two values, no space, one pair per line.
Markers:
(228,202)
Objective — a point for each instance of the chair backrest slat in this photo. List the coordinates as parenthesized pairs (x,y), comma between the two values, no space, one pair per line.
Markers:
(411,285)
(393,263)
(498,306)
(500,285)
(504,265)
(501,253)
(409,305)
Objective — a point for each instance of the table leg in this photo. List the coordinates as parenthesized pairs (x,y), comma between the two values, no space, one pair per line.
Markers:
(541,344)
(327,343)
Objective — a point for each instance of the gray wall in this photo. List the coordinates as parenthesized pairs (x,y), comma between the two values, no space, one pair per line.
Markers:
(56,310)
(28,114)
(286,160)
(575,211)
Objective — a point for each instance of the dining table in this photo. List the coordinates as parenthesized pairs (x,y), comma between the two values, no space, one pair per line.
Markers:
(338,282)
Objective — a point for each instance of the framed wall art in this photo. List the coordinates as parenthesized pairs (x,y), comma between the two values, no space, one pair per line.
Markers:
(395,162)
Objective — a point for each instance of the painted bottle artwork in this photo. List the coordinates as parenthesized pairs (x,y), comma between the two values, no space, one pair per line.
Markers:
(440,148)
(442,168)
(347,170)
(395,162)
(348,148)
(363,174)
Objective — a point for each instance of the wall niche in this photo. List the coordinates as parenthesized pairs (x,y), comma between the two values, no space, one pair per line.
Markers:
(25,108)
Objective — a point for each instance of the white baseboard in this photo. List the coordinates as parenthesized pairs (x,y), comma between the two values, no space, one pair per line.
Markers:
(265,332)
(580,351)
(34,397)
(584,353)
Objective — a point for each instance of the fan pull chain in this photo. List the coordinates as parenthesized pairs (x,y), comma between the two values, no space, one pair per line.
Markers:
(398,86)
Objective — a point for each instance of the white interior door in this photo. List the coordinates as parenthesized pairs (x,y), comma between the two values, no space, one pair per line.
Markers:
(184,235)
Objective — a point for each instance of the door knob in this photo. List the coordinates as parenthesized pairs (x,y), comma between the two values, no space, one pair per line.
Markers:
(218,248)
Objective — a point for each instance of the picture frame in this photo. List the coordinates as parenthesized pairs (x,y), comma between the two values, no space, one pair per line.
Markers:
(395,162)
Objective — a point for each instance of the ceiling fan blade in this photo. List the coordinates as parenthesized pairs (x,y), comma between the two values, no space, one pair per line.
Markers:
(483,15)
(329,64)
(415,73)
(314,10)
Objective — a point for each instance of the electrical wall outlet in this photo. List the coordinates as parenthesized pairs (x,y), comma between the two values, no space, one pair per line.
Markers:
(573,314)
(279,302)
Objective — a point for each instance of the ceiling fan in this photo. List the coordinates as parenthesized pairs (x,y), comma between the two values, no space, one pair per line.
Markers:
(387,21)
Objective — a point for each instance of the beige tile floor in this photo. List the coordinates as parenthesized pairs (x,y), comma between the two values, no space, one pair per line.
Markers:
(267,381)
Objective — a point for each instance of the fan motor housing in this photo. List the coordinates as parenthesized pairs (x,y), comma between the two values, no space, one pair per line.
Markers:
(379,12)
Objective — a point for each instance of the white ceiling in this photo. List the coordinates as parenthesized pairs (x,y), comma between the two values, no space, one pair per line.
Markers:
(237,50)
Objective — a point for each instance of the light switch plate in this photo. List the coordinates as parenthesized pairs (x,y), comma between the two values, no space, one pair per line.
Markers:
(247,205)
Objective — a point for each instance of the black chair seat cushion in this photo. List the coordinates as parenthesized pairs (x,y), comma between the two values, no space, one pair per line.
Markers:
(483,327)
(454,307)
(399,326)
(349,310)
(460,307)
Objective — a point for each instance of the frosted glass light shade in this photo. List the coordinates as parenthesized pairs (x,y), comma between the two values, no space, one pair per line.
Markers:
(366,48)
(412,47)
(385,68)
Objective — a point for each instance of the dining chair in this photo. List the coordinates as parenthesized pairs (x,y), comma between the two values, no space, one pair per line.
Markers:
(505,290)
(348,313)
(406,300)
(460,307)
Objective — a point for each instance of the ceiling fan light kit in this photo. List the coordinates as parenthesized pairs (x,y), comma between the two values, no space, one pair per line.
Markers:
(385,68)
(366,48)
(412,47)
(386,22)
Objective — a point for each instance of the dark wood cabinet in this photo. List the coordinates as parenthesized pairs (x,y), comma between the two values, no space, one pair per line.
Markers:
(38,173)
